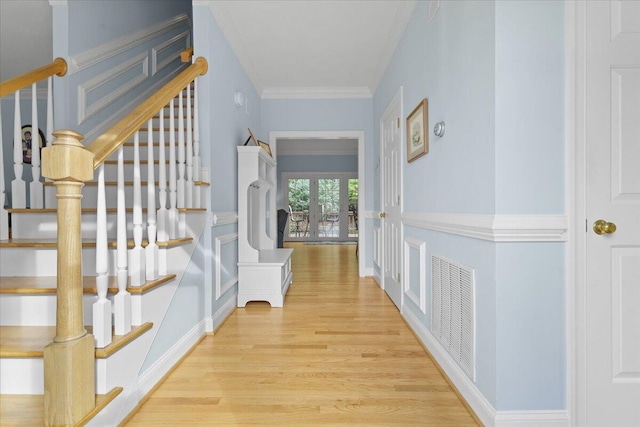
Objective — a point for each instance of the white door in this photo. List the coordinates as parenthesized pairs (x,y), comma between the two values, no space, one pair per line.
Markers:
(612,135)
(391,134)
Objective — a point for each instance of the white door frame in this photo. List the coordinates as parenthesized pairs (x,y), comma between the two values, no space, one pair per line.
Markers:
(340,134)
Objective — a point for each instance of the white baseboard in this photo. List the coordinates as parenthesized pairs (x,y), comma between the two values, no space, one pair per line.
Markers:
(221,314)
(369,272)
(532,418)
(161,366)
(480,405)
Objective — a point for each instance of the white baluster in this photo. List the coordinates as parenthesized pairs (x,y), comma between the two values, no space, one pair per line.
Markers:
(122,300)
(136,255)
(4,215)
(102,307)
(18,186)
(36,194)
(173,196)
(49,198)
(163,213)
(197,174)
(189,183)
(181,155)
(151,251)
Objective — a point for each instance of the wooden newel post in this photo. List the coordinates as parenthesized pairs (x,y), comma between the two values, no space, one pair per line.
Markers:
(69,373)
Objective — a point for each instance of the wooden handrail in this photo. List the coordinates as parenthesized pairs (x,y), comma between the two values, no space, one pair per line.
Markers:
(107,143)
(57,67)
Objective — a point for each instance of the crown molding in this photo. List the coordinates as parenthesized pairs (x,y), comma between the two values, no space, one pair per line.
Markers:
(316,93)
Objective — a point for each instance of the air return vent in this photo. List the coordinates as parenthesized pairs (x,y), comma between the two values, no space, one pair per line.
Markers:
(453,311)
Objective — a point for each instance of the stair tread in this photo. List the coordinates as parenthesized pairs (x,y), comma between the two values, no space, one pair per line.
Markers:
(30,341)
(93,210)
(29,285)
(52,243)
(28,409)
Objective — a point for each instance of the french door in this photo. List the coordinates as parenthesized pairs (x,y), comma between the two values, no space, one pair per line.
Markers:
(322,206)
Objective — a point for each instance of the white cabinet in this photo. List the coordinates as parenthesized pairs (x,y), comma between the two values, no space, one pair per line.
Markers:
(264,272)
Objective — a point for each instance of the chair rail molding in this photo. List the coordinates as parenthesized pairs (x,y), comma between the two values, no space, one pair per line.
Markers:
(107,50)
(220,218)
(495,228)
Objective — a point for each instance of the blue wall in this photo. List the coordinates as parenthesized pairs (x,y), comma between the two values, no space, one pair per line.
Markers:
(493,71)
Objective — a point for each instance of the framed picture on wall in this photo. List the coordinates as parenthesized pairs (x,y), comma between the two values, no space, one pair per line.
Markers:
(266,147)
(27,143)
(417,134)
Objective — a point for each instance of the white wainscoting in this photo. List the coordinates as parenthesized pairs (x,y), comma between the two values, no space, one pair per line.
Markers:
(87,110)
(215,321)
(495,228)
(419,299)
(219,242)
(221,218)
(166,45)
(105,51)
(377,246)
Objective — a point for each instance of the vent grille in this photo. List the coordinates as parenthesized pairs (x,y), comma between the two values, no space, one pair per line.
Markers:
(453,310)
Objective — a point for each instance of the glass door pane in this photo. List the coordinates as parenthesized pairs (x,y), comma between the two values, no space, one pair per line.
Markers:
(353,207)
(298,207)
(329,208)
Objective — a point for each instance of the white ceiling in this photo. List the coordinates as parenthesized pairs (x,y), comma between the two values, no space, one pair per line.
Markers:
(25,36)
(316,146)
(314,48)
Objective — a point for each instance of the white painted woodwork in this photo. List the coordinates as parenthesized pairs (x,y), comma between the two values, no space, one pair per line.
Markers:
(264,272)
(4,215)
(181,156)
(151,251)
(173,184)
(189,154)
(36,193)
(49,140)
(197,163)
(136,255)
(102,307)
(391,140)
(612,286)
(163,213)
(18,186)
(122,300)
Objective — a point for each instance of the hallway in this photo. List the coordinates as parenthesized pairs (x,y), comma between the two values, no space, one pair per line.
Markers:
(337,353)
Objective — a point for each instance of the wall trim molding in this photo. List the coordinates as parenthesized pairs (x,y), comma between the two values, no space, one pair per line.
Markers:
(559,418)
(86,110)
(161,366)
(219,241)
(213,322)
(420,246)
(220,218)
(107,50)
(495,228)
(157,66)
(316,93)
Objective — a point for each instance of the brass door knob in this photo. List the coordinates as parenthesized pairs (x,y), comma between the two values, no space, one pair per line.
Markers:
(382,215)
(603,227)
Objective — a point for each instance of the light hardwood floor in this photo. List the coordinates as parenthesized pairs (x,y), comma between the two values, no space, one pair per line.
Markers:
(338,353)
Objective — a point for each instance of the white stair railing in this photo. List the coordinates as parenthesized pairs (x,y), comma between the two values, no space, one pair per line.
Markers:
(4,215)
(36,192)
(173,182)
(122,300)
(151,251)
(136,255)
(102,307)
(181,156)
(197,173)
(189,183)
(18,186)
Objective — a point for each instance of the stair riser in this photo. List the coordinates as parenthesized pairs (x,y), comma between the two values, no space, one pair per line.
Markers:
(37,310)
(22,376)
(90,196)
(43,261)
(45,226)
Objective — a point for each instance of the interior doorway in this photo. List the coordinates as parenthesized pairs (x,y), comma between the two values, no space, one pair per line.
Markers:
(324,143)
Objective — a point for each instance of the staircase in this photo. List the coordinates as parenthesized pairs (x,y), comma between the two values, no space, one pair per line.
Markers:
(107,263)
